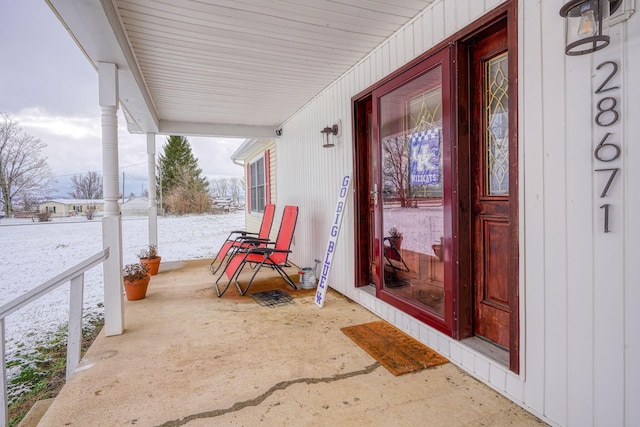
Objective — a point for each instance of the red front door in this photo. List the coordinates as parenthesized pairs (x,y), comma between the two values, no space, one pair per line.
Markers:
(492,150)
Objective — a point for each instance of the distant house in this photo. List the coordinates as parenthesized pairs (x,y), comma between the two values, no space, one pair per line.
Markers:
(60,208)
(225,205)
(135,206)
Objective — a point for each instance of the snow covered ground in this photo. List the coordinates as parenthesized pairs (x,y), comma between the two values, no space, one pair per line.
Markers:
(32,253)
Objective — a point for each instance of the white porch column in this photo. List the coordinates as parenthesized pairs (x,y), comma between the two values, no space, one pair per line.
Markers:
(151,174)
(112,221)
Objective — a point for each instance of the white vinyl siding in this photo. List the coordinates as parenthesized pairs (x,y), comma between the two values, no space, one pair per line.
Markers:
(579,293)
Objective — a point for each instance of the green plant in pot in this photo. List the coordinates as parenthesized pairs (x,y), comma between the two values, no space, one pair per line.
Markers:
(136,280)
(149,257)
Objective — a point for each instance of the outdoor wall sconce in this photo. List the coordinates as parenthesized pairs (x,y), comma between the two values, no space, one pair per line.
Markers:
(586,26)
(333,130)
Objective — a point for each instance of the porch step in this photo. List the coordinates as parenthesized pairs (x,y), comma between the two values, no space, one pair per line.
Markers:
(36,412)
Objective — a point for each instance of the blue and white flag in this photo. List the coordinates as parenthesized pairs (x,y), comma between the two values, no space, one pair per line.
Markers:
(425,157)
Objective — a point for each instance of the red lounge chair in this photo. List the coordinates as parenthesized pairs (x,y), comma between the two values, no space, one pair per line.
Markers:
(271,254)
(243,239)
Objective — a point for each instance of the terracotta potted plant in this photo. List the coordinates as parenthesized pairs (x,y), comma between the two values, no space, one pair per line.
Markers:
(136,281)
(149,257)
(395,237)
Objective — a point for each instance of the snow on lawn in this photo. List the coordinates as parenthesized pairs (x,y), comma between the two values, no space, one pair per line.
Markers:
(32,253)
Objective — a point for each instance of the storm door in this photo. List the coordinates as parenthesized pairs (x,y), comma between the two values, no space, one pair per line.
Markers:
(411,184)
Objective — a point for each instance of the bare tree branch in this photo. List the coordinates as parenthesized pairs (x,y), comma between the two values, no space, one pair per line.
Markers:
(237,187)
(87,186)
(22,169)
(396,167)
(220,187)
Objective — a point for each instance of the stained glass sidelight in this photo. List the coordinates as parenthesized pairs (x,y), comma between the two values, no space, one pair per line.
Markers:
(497,125)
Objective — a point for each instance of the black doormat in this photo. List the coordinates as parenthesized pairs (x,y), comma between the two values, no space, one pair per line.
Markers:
(272,298)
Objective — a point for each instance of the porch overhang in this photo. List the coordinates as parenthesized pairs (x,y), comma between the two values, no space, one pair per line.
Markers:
(221,130)
(226,70)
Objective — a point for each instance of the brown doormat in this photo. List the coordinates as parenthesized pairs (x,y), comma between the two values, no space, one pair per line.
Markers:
(394,349)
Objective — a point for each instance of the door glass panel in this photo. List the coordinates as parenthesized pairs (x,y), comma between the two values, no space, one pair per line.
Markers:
(412,191)
(497,125)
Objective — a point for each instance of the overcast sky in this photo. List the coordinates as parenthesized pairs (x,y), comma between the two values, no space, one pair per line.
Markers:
(50,88)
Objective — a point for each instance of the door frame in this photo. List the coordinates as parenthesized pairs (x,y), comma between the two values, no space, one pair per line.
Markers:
(364,228)
(460,246)
(464,222)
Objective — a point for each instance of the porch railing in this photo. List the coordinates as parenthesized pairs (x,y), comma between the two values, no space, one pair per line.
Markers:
(75,275)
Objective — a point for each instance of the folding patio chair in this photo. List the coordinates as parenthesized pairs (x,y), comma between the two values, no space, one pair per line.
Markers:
(271,254)
(392,252)
(239,239)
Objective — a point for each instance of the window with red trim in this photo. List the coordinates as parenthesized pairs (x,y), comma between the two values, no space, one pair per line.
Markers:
(258,183)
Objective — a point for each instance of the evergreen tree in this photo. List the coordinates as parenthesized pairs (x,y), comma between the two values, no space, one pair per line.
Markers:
(178,172)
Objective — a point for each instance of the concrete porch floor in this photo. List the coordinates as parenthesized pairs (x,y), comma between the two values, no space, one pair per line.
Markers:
(190,358)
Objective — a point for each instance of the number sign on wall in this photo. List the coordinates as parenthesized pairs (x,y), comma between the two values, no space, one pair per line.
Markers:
(606,116)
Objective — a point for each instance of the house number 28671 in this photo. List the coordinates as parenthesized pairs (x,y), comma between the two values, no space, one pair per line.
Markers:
(606,115)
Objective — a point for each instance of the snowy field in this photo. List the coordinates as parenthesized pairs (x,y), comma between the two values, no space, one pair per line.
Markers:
(32,253)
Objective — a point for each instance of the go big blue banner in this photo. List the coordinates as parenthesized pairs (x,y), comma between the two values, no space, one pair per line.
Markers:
(321,291)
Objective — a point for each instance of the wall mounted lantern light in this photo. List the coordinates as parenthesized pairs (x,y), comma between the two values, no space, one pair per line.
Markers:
(327,131)
(586,25)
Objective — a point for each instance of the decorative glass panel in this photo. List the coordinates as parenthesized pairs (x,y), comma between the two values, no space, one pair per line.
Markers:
(497,125)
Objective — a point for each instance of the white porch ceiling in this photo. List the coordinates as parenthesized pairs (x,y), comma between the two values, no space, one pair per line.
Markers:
(227,67)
